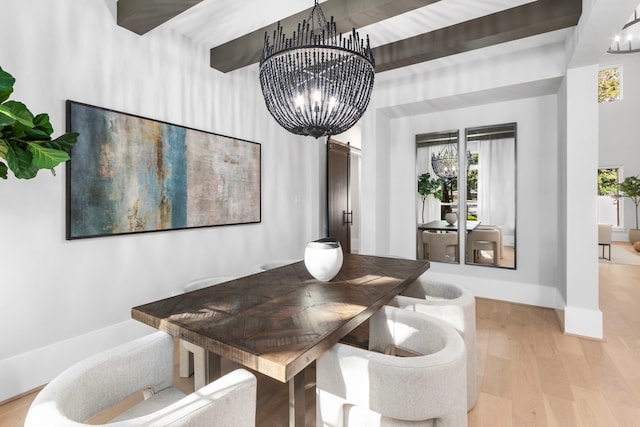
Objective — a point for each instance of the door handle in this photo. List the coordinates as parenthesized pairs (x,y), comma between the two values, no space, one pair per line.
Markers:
(347,217)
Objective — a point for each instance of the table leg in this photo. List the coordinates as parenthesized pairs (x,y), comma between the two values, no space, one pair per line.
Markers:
(297,401)
(212,366)
(206,365)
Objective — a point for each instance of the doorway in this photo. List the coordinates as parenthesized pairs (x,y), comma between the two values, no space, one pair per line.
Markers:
(343,183)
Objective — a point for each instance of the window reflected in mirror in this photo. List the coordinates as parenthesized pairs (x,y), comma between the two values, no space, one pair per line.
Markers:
(491,196)
(437,196)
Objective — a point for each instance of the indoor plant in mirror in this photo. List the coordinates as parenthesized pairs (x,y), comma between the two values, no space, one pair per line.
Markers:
(26,145)
(630,188)
(426,186)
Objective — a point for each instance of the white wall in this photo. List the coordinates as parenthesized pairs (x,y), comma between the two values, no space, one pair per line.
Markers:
(537,230)
(582,315)
(61,300)
(517,87)
(618,135)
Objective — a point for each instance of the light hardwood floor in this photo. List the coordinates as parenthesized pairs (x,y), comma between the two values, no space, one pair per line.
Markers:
(531,374)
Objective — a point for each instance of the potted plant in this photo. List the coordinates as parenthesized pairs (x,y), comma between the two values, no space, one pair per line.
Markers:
(428,185)
(630,188)
(26,145)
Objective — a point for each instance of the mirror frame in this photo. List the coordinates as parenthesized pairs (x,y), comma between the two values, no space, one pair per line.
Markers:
(489,132)
(435,139)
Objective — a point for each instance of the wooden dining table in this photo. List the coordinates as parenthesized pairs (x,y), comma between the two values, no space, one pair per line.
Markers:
(442,225)
(279,321)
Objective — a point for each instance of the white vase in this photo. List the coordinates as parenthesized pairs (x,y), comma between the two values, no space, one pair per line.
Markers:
(451,217)
(323,258)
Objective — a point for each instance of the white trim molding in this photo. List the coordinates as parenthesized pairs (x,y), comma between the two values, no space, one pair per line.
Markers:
(584,322)
(26,371)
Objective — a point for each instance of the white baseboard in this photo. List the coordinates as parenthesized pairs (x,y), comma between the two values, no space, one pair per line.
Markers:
(26,371)
(583,321)
(620,235)
(355,245)
(504,290)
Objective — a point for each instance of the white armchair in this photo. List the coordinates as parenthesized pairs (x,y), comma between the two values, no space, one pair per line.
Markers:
(454,305)
(145,364)
(365,388)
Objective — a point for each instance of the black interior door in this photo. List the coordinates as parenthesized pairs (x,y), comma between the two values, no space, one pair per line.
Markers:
(338,197)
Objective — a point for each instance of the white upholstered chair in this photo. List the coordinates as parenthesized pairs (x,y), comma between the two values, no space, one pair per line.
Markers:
(500,243)
(454,305)
(367,388)
(604,238)
(483,240)
(145,364)
(194,360)
(440,246)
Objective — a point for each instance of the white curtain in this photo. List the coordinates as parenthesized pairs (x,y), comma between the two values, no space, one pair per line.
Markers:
(423,165)
(497,185)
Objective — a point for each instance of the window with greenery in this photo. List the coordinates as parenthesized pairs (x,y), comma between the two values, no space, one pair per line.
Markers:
(608,205)
(472,188)
(610,84)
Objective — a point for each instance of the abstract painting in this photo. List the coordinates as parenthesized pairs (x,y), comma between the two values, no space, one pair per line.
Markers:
(130,174)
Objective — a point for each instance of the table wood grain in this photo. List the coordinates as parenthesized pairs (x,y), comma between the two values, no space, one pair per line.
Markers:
(442,225)
(279,321)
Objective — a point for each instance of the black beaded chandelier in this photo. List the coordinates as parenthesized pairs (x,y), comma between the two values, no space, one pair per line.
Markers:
(628,39)
(445,162)
(316,82)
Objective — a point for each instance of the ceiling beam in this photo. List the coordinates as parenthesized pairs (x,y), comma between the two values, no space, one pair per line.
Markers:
(350,14)
(141,16)
(523,21)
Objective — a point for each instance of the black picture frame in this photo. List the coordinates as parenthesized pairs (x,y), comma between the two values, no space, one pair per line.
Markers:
(130,174)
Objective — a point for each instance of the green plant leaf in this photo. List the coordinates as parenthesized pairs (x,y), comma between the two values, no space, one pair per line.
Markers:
(20,162)
(36,134)
(17,111)
(41,121)
(46,158)
(4,147)
(428,185)
(25,141)
(6,85)
(5,121)
(64,142)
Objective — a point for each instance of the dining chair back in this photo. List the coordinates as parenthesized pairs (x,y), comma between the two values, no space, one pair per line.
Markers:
(143,365)
(359,387)
(484,240)
(440,246)
(452,304)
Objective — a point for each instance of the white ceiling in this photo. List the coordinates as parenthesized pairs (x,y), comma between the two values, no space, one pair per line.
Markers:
(214,22)
(211,23)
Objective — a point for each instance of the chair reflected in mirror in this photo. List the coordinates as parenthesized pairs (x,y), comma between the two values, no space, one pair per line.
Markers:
(441,247)
(482,242)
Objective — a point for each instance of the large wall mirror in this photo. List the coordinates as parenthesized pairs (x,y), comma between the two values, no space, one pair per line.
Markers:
(437,196)
(491,196)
